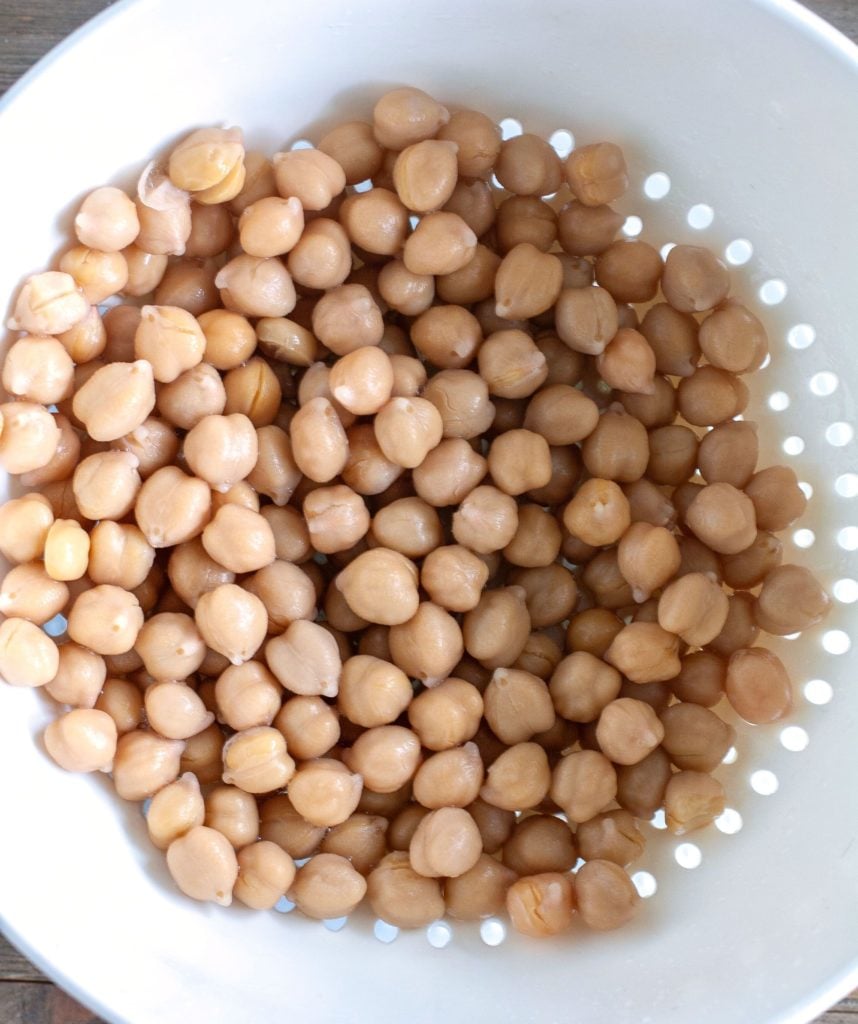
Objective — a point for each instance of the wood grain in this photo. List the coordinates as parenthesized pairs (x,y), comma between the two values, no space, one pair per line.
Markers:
(28,29)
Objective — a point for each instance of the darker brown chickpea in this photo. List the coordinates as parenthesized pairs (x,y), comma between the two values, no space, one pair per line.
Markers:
(618,447)
(630,270)
(525,219)
(673,338)
(695,738)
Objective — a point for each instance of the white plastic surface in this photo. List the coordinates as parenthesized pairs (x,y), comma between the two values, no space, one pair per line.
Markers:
(750,109)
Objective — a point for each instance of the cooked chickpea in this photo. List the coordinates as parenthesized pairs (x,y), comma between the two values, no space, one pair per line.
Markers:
(29,437)
(325,792)
(322,256)
(583,783)
(380,586)
(28,656)
(582,686)
(346,319)
(723,518)
(265,873)
(449,778)
(48,303)
(606,896)
(791,600)
(106,485)
(695,738)
(372,692)
(442,243)
(446,843)
(24,526)
(599,514)
(233,813)
(401,896)
(361,839)
(542,904)
(694,607)
(586,319)
(447,336)
(222,449)
(757,686)
(175,810)
(319,442)
(497,628)
(306,659)
(171,648)
(486,520)
(694,280)
(407,293)
(692,800)
(538,844)
(454,577)
(613,836)
(405,116)
(28,592)
(203,865)
(386,757)
(428,645)
(479,892)
(518,779)
(232,621)
(353,146)
(648,556)
(446,715)
(144,763)
(597,173)
(276,473)
(462,399)
(511,364)
(38,370)
(628,730)
(733,339)
(311,176)
(172,507)
(256,761)
(79,677)
(376,221)
(777,498)
(116,399)
(121,700)
(425,173)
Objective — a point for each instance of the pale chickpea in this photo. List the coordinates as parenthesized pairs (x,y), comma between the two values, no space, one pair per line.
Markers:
(28,592)
(233,813)
(405,116)
(232,621)
(425,173)
(106,619)
(691,801)
(38,370)
(255,760)
(486,520)
(144,763)
(446,843)
(265,873)
(276,473)
(407,429)
(542,904)
(29,437)
(106,485)
(310,175)
(354,148)
(79,677)
(347,318)
(429,645)
(256,286)
(327,886)
(271,226)
(153,442)
(583,783)
(447,336)
(694,279)
(239,539)
(247,695)
(116,399)
(203,755)
(203,865)
(462,399)
(324,792)
(376,221)
(381,586)
(446,715)
(48,303)
(518,779)
(172,507)
(407,293)
(454,577)
(24,526)
(372,691)
(82,740)
(306,660)
(440,244)
(123,701)
(409,525)
(628,730)
(175,810)
(171,648)
(322,257)
(319,442)
(28,656)
(519,461)
(695,738)
(362,380)
(449,778)
(511,364)
(386,757)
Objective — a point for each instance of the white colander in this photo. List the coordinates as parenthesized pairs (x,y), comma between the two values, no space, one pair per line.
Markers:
(740,122)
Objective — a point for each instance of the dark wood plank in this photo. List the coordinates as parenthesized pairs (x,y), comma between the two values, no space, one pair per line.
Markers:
(28,29)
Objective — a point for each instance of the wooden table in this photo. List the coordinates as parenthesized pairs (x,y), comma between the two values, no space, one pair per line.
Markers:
(28,29)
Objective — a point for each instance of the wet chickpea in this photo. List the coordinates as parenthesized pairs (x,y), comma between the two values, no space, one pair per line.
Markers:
(175,810)
(24,526)
(229,338)
(597,173)
(106,619)
(145,271)
(592,630)
(539,844)
(322,257)
(401,896)
(222,450)
(496,630)
(778,500)
(28,656)
(582,686)
(695,738)
(628,730)
(449,778)
(728,453)
(640,787)
(541,905)
(353,146)
(203,865)
(386,757)
(287,341)
(87,339)
(311,176)
(692,800)
(446,715)
(447,336)
(49,303)
(537,539)
(517,705)
(239,539)
(425,173)
(28,592)
(407,293)
(286,591)
(429,645)
(153,442)
(319,442)
(175,710)
(694,607)
(587,230)
(361,839)
(701,679)
(791,600)
(381,586)
(519,461)
(247,696)
(612,836)
(710,396)
(511,364)
(306,659)
(733,339)
(607,898)
(405,116)
(62,463)
(628,363)
(232,621)
(462,400)
(550,593)
(694,280)
(203,755)
(254,390)
(518,779)
(233,813)
(372,691)
(29,437)
(172,507)
(741,628)
(170,339)
(106,485)
(325,792)
(474,283)
(276,473)
(442,243)
(193,572)
(386,804)
(644,653)
(189,285)
(479,892)
(38,370)
(255,760)
(599,514)
(723,518)
(192,396)
(446,843)
(115,400)
(408,525)
(449,473)
(561,414)
(630,270)
(376,221)
(82,740)
(407,429)
(649,504)
(171,648)
(673,338)
(528,166)
(79,677)
(144,763)
(346,319)
(473,201)
(265,873)
(648,556)
(617,449)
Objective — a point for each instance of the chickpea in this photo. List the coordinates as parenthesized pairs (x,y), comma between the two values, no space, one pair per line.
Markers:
(121,700)
(791,600)
(255,760)
(203,865)
(28,592)
(477,139)
(401,896)
(116,399)
(407,429)
(372,692)
(380,586)
(550,593)
(454,577)
(692,800)
(222,449)
(462,399)
(640,787)
(561,414)
(425,173)
(757,686)
(440,244)
(407,293)
(528,282)
(540,843)
(28,656)
(607,898)
(322,256)
(447,336)
(175,810)
(144,763)
(171,648)
(583,784)
(592,631)
(733,339)
(695,608)
(447,715)
(276,473)
(106,485)
(628,730)
(582,686)
(497,628)
(449,778)
(723,518)
(618,447)
(203,755)
(325,792)
(79,676)
(153,442)
(695,738)
(29,437)
(376,221)
(486,520)
(511,364)
(728,453)
(248,695)
(648,556)
(630,270)
(346,319)
(239,539)
(353,146)
(24,526)
(586,319)
(280,823)
(519,461)
(613,836)
(479,892)
(597,173)
(587,230)
(106,619)
(193,395)
(193,573)
(361,839)
(38,370)
(405,116)
(232,621)
(473,201)
(741,628)
(428,645)
(48,303)
(710,396)
(599,514)
(172,507)
(518,779)
(694,280)
(234,814)
(542,904)
(305,659)
(777,498)
(319,442)
(386,757)
(265,873)
(528,166)
(446,844)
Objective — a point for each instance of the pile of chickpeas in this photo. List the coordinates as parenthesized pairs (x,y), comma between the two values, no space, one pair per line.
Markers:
(403,518)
